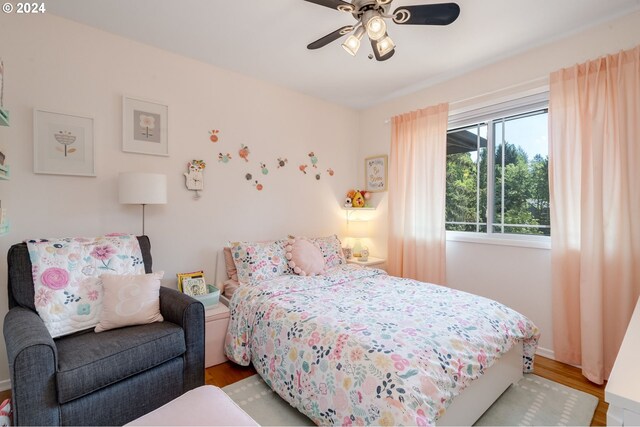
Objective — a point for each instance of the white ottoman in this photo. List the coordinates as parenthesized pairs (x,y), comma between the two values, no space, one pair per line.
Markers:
(202,406)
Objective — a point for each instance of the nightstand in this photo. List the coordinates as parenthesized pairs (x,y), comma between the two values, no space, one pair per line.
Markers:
(380,263)
(216,324)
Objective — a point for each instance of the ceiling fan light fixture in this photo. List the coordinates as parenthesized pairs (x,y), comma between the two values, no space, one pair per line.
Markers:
(352,43)
(385,45)
(376,27)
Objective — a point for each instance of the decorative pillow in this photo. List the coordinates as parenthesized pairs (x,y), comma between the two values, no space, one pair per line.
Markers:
(331,249)
(67,289)
(258,261)
(232,272)
(304,257)
(130,299)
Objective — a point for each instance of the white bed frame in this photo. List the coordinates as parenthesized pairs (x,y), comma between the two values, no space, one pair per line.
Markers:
(469,405)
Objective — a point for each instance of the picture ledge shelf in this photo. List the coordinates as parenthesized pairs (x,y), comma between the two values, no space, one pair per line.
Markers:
(369,208)
(350,211)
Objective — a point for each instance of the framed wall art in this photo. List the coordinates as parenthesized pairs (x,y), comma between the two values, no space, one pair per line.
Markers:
(375,173)
(144,127)
(63,143)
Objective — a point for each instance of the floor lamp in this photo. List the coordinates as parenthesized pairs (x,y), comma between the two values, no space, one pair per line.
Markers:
(140,188)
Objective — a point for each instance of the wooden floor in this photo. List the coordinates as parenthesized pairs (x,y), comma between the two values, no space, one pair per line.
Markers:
(229,373)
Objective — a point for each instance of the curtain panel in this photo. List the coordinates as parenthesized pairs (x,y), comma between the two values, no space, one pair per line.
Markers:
(594,174)
(417,187)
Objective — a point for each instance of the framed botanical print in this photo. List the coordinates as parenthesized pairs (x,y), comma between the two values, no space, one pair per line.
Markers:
(63,143)
(144,127)
(375,173)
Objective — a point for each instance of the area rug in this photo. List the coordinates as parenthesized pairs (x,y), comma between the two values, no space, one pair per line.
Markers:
(534,401)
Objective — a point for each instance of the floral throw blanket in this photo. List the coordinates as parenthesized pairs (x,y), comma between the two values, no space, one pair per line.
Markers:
(359,347)
(66,277)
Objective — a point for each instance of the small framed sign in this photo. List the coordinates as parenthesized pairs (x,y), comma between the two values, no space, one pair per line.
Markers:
(375,173)
(193,286)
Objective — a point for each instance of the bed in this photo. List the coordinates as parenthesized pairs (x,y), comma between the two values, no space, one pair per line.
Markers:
(356,346)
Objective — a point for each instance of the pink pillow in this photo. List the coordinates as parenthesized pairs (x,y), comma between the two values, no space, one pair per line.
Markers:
(230,265)
(130,300)
(304,257)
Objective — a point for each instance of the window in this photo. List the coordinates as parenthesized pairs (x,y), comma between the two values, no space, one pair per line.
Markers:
(498,170)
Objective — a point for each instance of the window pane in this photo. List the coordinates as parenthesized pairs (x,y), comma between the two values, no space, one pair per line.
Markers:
(521,185)
(466,178)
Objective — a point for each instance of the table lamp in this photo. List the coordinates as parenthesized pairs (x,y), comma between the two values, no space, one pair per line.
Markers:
(357,230)
(141,188)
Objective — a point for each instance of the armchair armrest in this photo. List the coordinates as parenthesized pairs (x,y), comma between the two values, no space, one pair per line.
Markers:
(187,313)
(32,357)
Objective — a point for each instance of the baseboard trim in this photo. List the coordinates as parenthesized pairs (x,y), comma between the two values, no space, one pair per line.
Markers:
(5,385)
(545,352)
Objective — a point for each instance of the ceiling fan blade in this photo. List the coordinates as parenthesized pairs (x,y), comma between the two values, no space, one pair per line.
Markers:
(335,4)
(427,14)
(377,54)
(321,42)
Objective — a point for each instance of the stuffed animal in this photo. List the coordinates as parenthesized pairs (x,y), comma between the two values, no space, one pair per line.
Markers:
(347,202)
(358,200)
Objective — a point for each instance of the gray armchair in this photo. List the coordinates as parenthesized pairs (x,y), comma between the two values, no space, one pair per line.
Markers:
(109,378)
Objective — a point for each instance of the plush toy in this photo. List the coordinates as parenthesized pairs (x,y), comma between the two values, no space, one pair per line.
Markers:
(347,202)
(358,200)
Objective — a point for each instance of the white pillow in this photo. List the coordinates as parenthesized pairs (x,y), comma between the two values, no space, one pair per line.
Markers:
(130,300)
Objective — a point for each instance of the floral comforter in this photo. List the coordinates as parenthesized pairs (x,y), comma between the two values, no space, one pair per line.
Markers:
(357,346)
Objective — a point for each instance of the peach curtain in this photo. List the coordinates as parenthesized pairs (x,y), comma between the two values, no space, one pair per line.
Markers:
(417,185)
(594,174)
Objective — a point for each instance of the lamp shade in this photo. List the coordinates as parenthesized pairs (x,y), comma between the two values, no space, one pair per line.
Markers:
(142,188)
(358,229)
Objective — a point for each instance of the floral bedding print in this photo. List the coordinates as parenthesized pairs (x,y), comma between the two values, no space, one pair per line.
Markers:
(68,290)
(359,347)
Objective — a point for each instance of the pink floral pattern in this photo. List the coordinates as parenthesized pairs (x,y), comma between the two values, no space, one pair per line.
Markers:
(258,261)
(359,347)
(68,291)
(55,278)
(331,249)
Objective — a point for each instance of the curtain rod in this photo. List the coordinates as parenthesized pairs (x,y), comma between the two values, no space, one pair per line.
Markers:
(539,84)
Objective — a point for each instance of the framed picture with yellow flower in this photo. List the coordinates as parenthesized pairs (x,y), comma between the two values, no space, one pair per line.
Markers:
(144,127)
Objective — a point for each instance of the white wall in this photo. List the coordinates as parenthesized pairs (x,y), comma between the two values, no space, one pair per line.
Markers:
(64,66)
(518,277)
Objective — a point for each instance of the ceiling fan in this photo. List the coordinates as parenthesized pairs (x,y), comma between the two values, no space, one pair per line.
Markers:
(371,15)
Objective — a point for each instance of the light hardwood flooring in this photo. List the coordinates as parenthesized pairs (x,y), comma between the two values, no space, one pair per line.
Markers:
(229,373)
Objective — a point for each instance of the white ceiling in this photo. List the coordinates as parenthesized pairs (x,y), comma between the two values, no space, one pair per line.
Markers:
(267,39)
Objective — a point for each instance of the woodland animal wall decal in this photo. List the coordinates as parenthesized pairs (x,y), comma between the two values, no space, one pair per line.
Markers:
(244,152)
(213,135)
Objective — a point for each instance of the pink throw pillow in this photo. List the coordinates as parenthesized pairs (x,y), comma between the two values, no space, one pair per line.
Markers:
(130,300)
(230,265)
(304,257)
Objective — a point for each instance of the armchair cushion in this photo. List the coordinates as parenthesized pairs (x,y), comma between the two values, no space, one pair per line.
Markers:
(88,362)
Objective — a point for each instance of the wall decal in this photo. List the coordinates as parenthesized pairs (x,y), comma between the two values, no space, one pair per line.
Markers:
(258,186)
(244,152)
(318,176)
(214,135)
(248,177)
(264,169)
(282,162)
(194,176)
(224,158)
(303,168)
(330,172)
(314,159)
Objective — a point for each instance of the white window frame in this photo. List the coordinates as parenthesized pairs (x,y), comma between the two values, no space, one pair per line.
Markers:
(472,116)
